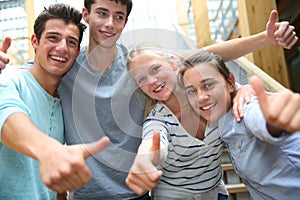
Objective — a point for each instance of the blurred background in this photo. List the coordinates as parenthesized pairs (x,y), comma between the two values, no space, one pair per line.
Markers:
(203,22)
(196,23)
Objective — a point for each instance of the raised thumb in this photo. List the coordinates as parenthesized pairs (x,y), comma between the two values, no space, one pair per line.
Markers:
(155,141)
(95,147)
(155,148)
(5,44)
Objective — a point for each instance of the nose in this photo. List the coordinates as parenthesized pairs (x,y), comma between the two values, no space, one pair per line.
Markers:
(109,21)
(151,79)
(62,45)
(202,95)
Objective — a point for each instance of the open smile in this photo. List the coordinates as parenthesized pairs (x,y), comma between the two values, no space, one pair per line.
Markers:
(58,58)
(158,89)
(208,107)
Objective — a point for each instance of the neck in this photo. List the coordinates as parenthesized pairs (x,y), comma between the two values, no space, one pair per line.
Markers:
(177,101)
(48,82)
(101,58)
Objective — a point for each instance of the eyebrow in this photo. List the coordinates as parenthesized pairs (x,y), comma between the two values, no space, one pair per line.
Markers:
(189,86)
(106,10)
(56,33)
(201,82)
(205,80)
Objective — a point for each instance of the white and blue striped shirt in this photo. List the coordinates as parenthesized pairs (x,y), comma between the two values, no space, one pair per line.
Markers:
(191,166)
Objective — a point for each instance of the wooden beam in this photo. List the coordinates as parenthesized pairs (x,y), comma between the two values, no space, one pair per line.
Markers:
(202,23)
(253,16)
(182,13)
(236,188)
(251,69)
(227,167)
(29,7)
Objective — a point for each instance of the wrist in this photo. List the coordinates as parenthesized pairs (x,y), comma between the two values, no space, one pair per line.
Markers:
(268,40)
(45,148)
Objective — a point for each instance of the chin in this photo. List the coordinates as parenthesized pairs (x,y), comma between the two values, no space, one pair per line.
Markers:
(209,118)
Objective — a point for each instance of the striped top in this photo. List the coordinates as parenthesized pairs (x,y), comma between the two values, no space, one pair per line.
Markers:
(191,166)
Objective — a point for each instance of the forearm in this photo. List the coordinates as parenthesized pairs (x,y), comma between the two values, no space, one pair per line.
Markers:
(238,47)
(21,135)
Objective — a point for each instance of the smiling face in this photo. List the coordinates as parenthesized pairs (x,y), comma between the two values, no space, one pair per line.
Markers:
(154,75)
(106,21)
(57,48)
(208,92)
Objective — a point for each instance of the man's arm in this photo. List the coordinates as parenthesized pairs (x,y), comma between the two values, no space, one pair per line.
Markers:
(62,167)
(276,33)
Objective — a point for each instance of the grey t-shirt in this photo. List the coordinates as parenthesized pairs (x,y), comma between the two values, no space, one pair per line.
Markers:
(99,104)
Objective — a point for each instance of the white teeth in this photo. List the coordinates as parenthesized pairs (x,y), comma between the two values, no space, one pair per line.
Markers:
(160,87)
(108,35)
(58,58)
(207,107)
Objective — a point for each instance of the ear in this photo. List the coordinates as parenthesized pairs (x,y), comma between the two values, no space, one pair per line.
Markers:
(85,15)
(173,62)
(232,83)
(78,51)
(34,41)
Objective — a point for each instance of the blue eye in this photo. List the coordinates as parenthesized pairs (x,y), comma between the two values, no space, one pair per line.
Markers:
(141,80)
(155,69)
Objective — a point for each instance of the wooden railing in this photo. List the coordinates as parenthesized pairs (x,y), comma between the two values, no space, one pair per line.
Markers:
(270,83)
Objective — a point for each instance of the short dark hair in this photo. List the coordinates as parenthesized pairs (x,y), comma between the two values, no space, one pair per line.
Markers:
(61,11)
(128,3)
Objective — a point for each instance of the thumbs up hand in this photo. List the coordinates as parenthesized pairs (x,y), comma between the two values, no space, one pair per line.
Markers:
(64,168)
(281,109)
(3,50)
(143,175)
(280,33)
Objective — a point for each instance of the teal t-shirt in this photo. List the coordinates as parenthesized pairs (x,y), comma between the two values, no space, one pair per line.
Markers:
(19,174)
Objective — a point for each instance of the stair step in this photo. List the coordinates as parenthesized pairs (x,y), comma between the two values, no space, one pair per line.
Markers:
(236,188)
(227,167)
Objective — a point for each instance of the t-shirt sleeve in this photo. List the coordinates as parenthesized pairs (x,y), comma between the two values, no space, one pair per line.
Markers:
(10,99)
(161,119)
